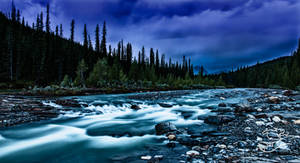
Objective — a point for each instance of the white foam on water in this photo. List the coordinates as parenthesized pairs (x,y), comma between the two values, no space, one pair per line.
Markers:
(109,141)
(52,104)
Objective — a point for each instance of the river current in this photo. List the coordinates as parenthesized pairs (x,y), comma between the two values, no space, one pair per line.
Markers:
(108,130)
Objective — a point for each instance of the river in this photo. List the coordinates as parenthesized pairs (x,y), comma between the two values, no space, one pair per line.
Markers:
(108,130)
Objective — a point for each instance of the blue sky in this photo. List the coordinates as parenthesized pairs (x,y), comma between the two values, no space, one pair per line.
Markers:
(219,34)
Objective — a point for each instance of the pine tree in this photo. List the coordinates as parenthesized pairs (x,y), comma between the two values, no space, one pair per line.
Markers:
(72,30)
(85,37)
(143,56)
(48,19)
(97,42)
(151,57)
(41,21)
(61,31)
(103,41)
(56,31)
(13,12)
(18,16)
(157,59)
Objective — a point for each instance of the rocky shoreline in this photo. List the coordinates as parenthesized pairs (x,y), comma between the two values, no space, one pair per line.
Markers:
(16,110)
(266,129)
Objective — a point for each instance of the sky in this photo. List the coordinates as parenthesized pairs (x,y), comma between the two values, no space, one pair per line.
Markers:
(218,34)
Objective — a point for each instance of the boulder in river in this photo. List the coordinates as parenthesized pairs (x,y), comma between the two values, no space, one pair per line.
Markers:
(165,127)
(164,105)
(222,104)
(135,107)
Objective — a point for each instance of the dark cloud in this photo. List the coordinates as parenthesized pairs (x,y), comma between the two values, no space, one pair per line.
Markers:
(218,34)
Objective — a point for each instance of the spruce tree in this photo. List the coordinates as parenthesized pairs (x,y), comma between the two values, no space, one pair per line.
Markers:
(72,30)
(61,31)
(103,41)
(13,12)
(97,42)
(85,37)
(151,57)
(48,19)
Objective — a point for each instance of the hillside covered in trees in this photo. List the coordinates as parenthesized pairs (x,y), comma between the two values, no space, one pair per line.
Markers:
(281,72)
(37,55)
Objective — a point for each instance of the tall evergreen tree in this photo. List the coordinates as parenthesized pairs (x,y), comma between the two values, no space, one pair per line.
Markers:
(61,31)
(97,42)
(85,37)
(72,30)
(18,16)
(13,11)
(103,41)
(48,19)
(41,21)
(151,57)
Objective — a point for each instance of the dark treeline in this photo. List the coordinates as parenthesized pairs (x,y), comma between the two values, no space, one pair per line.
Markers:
(284,72)
(36,54)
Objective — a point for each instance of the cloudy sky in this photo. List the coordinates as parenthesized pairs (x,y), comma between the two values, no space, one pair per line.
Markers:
(219,34)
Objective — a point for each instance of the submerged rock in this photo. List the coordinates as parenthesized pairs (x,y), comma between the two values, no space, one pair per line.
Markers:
(165,127)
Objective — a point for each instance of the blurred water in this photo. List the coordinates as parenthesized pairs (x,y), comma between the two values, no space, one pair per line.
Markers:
(80,136)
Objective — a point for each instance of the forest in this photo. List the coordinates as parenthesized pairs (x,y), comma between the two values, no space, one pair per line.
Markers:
(280,72)
(35,54)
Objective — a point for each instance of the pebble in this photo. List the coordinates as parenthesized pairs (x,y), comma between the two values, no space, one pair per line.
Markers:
(222,146)
(276,119)
(250,116)
(260,123)
(247,130)
(259,139)
(297,122)
(192,153)
(159,157)
(171,137)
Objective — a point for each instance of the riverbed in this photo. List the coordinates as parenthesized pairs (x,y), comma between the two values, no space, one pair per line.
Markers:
(121,127)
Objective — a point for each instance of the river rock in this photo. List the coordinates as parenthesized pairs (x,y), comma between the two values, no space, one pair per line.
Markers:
(135,107)
(297,122)
(219,119)
(274,100)
(192,153)
(276,119)
(171,136)
(158,157)
(164,105)
(68,103)
(260,123)
(288,92)
(222,104)
(165,127)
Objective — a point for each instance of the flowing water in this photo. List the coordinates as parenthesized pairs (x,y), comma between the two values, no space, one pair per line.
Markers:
(108,129)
